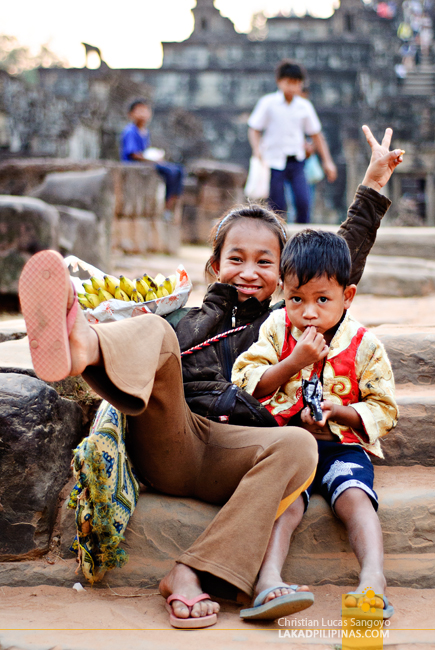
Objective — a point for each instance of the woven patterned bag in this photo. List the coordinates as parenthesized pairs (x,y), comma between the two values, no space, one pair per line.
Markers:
(105,494)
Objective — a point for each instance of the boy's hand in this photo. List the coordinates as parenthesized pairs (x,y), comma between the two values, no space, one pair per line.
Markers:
(328,409)
(383,161)
(310,348)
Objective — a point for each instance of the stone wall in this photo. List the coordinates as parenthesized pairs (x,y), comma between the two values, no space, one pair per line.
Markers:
(208,85)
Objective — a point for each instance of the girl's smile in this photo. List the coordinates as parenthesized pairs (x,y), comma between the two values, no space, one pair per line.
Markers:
(249,260)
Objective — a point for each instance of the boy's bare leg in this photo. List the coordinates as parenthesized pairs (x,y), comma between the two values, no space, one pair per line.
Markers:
(356,511)
(277,551)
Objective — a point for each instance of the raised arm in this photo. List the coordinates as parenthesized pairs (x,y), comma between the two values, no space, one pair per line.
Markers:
(369,206)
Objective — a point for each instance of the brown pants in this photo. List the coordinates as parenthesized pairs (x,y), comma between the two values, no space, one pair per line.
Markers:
(255,472)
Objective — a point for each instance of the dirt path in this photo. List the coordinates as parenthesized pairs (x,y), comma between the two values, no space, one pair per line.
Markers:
(56,618)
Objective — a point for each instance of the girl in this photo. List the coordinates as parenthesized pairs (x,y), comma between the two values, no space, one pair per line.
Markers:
(255,471)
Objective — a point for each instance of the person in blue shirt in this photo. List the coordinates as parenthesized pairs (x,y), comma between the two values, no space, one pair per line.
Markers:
(135,139)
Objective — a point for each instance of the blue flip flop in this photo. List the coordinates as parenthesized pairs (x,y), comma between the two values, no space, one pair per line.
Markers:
(387,613)
(278,607)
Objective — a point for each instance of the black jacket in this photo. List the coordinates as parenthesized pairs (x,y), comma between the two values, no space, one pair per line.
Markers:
(207,372)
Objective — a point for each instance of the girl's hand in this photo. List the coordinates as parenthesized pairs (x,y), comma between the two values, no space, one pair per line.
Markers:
(310,348)
(328,409)
(383,161)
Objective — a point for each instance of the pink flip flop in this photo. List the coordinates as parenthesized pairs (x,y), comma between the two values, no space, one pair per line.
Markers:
(191,622)
(43,290)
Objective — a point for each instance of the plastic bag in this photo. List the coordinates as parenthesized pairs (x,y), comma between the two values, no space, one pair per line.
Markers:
(258,181)
(113,310)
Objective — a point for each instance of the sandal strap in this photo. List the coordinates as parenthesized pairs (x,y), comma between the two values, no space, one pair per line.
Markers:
(186,601)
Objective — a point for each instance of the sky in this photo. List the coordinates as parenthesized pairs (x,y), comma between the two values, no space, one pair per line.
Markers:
(128,33)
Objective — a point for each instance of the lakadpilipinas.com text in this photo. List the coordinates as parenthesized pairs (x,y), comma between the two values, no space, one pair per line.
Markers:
(327,628)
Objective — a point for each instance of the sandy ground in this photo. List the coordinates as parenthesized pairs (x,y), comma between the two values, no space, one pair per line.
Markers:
(59,618)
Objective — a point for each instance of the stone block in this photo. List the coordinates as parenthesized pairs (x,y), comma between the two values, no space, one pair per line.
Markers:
(92,190)
(27,226)
(411,350)
(38,431)
(402,241)
(12,330)
(82,235)
(140,190)
(398,276)
(412,442)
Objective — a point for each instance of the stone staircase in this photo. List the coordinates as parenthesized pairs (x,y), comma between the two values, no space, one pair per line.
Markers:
(162,527)
(420,80)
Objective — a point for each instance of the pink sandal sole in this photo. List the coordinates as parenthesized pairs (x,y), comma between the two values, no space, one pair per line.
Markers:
(43,291)
(191,622)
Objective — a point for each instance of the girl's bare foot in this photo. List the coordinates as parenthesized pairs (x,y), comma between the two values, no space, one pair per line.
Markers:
(83,341)
(184,581)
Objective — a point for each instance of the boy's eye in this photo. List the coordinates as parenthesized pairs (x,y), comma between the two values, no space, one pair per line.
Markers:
(323,300)
(296,300)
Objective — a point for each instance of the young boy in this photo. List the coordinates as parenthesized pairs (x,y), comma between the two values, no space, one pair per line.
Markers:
(135,139)
(316,334)
(277,129)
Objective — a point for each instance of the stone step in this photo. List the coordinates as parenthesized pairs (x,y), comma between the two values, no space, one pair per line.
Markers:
(162,527)
(411,350)
(397,241)
(412,442)
(398,276)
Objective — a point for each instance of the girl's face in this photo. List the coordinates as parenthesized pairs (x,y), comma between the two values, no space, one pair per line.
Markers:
(250,259)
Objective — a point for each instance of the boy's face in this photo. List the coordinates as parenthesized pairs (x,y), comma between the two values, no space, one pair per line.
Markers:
(320,303)
(141,114)
(290,87)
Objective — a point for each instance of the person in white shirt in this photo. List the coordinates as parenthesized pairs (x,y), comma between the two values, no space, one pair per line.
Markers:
(277,129)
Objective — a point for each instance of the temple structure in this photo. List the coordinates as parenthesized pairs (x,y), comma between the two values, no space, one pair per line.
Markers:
(209,83)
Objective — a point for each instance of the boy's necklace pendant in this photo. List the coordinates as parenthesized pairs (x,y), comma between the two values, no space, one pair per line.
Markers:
(233,317)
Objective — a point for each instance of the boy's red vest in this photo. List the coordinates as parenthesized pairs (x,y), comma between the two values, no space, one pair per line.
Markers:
(345,384)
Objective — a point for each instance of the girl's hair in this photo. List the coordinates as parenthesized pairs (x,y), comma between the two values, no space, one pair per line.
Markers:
(252,211)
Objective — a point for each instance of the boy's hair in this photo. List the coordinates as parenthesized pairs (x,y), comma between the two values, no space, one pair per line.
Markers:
(140,101)
(290,69)
(255,211)
(312,253)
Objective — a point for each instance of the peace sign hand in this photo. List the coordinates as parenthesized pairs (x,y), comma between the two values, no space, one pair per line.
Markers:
(382,162)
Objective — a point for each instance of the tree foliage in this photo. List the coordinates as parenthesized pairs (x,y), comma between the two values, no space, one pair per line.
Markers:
(16,58)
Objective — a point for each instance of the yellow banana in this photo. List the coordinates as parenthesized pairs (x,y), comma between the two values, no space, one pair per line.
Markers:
(150,296)
(110,283)
(137,296)
(173,280)
(97,283)
(142,286)
(162,291)
(104,295)
(126,285)
(168,285)
(159,279)
(148,279)
(87,286)
(84,302)
(121,295)
(93,300)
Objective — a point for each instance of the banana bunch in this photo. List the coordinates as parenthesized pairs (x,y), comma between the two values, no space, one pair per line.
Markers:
(144,289)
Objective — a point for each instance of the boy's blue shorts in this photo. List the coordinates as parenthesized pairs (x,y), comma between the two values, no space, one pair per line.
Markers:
(341,467)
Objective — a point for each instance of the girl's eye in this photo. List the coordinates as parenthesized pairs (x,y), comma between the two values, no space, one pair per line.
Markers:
(323,300)
(235,259)
(264,262)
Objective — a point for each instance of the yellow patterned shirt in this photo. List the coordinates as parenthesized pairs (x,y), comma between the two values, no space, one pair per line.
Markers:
(376,405)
